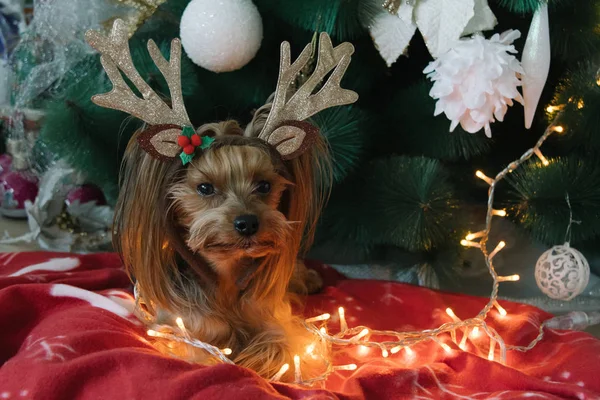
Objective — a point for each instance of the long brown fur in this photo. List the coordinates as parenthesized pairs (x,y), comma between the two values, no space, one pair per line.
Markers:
(188,261)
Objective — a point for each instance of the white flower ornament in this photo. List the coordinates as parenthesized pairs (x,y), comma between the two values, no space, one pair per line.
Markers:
(476,81)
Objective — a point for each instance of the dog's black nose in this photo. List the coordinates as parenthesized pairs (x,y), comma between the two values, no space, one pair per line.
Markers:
(246,225)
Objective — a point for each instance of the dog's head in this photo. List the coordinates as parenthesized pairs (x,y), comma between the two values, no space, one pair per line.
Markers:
(232,206)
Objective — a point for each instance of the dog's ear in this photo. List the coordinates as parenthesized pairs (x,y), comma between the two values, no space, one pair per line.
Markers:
(303,200)
(144,232)
(293,138)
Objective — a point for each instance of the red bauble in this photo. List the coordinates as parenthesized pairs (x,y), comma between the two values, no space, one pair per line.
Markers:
(196,140)
(183,141)
(5,163)
(16,187)
(86,193)
(189,149)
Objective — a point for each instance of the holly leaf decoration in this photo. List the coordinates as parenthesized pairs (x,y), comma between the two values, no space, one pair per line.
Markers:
(188,131)
(206,142)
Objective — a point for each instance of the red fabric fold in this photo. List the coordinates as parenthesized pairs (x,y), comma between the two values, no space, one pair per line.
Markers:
(67,332)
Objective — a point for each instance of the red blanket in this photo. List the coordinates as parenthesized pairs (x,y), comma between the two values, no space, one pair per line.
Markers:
(66,331)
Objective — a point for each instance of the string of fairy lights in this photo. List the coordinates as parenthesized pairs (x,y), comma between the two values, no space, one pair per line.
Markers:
(461,331)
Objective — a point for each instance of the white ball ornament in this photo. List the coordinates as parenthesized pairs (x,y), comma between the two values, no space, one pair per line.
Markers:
(221,35)
(562,272)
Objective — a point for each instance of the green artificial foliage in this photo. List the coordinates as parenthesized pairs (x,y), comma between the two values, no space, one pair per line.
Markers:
(343,129)
(96,136)
(416,131)
(342,19)
(410,202)
(578,95)
(574,29)
(539,198)
(520,6)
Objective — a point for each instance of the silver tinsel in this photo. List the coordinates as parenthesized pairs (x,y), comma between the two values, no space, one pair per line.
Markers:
(55,40)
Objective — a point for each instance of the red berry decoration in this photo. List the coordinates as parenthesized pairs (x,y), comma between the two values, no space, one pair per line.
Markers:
(189,149)
(196,140)
(183,141)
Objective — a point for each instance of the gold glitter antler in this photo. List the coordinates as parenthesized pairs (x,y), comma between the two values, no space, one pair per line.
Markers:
(291,139)
(115,56)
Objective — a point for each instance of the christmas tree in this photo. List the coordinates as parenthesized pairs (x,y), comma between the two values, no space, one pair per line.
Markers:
(401,183)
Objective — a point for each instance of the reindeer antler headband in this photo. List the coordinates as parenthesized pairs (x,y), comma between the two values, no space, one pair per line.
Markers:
(171,133)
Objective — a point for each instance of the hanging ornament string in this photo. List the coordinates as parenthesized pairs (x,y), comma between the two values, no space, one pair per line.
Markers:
(562,272)
(571,220)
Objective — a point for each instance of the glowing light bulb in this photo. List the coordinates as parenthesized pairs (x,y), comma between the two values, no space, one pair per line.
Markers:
(499,247)
(396,349)
(475,235)
(468,243)
(310,348)
(509,278)
(452,315)
(447,348)
(349,367)
(284,368)
(384,353)
(410,352)
(323,330)
(491,352)
(483,177)
(297,371)
(499,213)
(152,333)
(463,342)
(500,309)
(322,317)
(551,109)
(580,104)
(475,332)
(362,350)
(227,351)
(180,324)
(343,324)
(543,159)
(559,129)
(360,335)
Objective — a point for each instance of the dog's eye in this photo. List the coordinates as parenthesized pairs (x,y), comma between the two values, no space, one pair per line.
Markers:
(205,189)
(263,187)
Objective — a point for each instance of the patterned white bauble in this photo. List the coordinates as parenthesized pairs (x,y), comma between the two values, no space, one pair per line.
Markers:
(221,35)
(562,272)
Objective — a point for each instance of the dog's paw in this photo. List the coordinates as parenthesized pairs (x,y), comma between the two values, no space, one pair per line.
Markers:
(313,281)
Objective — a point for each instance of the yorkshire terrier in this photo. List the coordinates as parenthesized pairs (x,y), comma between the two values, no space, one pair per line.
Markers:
(215,239)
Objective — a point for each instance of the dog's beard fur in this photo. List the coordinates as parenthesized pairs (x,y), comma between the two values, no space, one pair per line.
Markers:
(248,307)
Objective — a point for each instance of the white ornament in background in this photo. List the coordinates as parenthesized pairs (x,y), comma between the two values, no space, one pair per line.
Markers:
(391,36)
(221,35)
(476,81)
(441,22)
(562,272)
(483,19)
(535,61)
